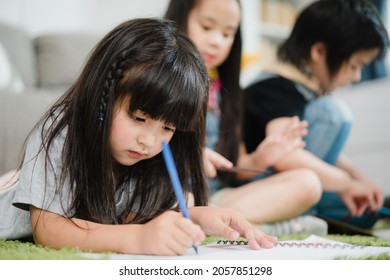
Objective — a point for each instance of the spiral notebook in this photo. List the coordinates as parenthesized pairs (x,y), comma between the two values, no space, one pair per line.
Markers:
(312,248)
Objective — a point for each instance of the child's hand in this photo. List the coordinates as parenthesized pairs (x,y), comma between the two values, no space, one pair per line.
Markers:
(213,161)
(376,194)
(362,196)
(284,135)
(231,225)
(169,234)
(289,126)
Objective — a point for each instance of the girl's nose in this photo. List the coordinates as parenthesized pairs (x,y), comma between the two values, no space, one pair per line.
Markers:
(147,138)
(215,38)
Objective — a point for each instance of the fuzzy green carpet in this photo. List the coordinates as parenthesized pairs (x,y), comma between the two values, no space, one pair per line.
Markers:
(16,250)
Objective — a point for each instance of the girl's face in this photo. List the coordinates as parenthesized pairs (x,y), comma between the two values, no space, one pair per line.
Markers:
(136,136)
(212,25)
(349,72)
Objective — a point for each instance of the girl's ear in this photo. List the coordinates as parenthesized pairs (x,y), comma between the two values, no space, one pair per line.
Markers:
(318,52)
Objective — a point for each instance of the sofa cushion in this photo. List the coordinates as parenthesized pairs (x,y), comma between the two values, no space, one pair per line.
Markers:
(18,115)
(61,57)
(9,77)
(20,50)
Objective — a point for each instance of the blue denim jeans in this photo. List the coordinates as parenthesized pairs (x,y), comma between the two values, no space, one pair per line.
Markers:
(330,122)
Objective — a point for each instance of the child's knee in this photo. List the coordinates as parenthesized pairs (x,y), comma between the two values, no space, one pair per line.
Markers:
(310,185)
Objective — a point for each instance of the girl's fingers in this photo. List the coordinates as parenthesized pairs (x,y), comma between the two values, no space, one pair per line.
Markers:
(210,170)
(241,227)
(216,159)
(257,239)
(351,206)
(361,207)
(185,236)
(193,231)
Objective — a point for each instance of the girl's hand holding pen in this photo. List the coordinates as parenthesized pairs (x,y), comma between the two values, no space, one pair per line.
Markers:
(169,234)
(230,224)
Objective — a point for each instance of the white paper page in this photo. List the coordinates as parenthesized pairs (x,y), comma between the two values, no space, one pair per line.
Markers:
(312,248)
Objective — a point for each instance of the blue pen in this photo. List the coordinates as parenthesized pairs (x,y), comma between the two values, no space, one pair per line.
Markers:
(169,162)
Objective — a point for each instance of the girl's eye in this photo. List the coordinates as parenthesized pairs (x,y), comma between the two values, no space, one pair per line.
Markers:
(230,33)
(205,27)
(169,128)
(226,35)
(353,67)
(137,118)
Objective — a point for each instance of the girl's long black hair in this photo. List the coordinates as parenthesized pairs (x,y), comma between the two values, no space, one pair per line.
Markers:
(231,95)
(162,72)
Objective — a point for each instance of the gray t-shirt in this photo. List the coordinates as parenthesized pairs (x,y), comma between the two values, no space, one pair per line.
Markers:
(37,187)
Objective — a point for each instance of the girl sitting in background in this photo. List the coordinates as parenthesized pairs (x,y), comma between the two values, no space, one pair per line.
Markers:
(214,26)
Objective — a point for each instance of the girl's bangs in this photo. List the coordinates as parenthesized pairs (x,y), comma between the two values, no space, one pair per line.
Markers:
(166,94)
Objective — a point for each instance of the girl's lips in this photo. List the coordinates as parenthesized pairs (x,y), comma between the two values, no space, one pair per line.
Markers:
(135,154)
(208,57)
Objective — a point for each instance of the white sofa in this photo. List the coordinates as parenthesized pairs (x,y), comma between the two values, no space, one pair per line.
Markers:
(47,65)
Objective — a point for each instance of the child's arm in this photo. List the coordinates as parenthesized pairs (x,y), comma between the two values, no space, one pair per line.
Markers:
(229,224)
(168,234)
(332,179)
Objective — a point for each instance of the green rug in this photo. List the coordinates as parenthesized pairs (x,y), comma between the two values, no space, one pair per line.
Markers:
(17,250)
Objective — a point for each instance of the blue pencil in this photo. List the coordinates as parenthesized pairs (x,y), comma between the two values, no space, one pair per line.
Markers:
(170,164)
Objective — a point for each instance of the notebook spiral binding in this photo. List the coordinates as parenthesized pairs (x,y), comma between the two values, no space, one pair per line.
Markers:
(232,242)
(295,244)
